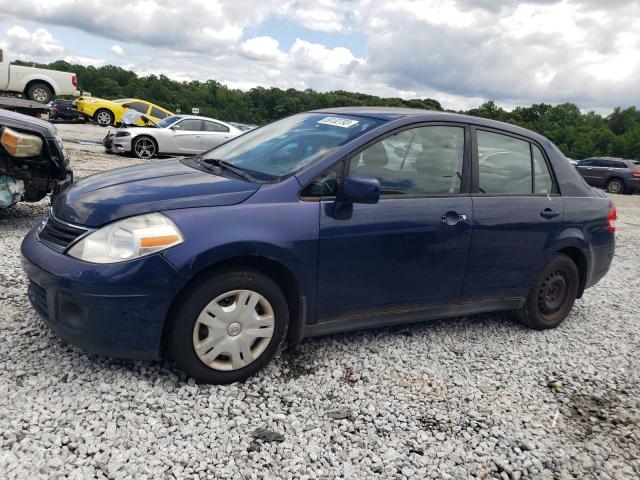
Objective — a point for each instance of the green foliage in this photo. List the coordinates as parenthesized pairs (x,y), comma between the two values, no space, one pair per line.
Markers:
(578,135)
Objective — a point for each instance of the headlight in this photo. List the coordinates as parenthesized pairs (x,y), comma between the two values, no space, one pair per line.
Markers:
(127,239)
(89,100)
(19,144)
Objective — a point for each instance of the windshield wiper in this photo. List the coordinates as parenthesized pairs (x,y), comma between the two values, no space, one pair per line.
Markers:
(222,165)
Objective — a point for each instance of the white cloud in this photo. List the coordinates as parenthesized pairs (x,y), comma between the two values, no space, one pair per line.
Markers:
(318,58)
(39,44)
(116,50)
(321,15)
(86,61)
(261,48)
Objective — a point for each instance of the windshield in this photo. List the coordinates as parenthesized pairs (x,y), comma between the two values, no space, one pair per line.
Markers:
(279,149)
(166,121)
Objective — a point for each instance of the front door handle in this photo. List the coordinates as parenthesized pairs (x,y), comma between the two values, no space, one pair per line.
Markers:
(453,218)
(549,213)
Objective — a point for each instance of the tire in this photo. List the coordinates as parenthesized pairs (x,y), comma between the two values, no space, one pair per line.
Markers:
(227,327)
(144,147)
(553,294)
(103,117)
(615,185)
(39,92)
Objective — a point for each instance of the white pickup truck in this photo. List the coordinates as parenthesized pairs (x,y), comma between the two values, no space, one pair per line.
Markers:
(36,84)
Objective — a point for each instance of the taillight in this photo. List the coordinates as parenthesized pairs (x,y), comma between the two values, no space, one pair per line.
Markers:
(611,219)
(635,173)
(74,80)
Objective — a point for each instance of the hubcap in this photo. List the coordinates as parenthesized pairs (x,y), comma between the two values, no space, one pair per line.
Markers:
(553,294)
(145,148)
(40,95)
(233,330)
(104,118)
(615,187)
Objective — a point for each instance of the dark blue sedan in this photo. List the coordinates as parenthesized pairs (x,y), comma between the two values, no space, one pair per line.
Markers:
(323,222)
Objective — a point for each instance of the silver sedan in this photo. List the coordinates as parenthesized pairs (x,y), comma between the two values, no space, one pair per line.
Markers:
(174,135)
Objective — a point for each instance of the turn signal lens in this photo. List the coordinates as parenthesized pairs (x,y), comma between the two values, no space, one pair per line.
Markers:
(154,242)
(611,219)
(20,144)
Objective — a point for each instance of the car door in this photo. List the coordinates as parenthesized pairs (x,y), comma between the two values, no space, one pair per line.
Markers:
(214,134)
(517,214)
(187,136)
(407,252)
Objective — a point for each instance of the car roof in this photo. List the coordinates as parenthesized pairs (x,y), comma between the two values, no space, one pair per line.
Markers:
(395,113)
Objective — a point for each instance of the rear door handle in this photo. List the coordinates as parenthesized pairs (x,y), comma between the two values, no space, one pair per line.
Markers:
(549,213)
(453,218)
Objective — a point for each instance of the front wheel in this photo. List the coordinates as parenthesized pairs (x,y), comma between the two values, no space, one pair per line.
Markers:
(553,294)
(228,327)
(103,117)
(144,148)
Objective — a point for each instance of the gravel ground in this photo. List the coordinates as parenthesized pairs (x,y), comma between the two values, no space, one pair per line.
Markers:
(472,397)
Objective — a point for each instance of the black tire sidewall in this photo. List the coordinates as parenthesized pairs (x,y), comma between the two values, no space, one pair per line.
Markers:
(180,342)
(532,315)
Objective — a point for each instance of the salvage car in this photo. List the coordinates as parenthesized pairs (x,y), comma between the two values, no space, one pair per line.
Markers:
(109,112)
(32,160)
(615,175)
(303,228)
(173,135)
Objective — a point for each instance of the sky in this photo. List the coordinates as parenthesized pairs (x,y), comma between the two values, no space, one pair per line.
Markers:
(459,52)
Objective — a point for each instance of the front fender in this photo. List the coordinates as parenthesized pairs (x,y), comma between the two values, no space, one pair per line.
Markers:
(286,233)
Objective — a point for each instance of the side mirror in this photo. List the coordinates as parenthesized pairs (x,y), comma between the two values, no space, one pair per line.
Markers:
(359,190)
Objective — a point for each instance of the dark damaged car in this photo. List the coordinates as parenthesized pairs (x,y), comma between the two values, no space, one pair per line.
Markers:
(32,160)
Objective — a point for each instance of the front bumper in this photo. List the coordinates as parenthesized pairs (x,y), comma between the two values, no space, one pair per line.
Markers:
(117,309)
(121,144)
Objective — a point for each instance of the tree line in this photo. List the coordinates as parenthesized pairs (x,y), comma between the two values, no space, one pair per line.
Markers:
(577,134)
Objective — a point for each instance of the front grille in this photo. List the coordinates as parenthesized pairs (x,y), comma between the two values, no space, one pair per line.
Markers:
(38,296)
(59,235)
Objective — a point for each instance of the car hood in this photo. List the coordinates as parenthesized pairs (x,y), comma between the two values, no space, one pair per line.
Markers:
(151,187)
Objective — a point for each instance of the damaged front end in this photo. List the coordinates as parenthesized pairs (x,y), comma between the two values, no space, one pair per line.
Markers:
(32,161)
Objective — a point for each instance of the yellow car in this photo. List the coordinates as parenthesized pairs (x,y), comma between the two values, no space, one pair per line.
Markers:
(109,112)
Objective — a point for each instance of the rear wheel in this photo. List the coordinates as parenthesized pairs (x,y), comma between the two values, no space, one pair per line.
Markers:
(229,327)
(103,117)
(39,92)
(615,185)
(552,295)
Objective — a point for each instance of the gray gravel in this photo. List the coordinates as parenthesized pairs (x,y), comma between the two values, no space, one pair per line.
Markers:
(473,397)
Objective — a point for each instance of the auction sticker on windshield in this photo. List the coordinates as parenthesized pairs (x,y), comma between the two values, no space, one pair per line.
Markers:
(338,122)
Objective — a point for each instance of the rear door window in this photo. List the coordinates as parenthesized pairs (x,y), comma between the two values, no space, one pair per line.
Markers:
(504,164)
(214,127)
